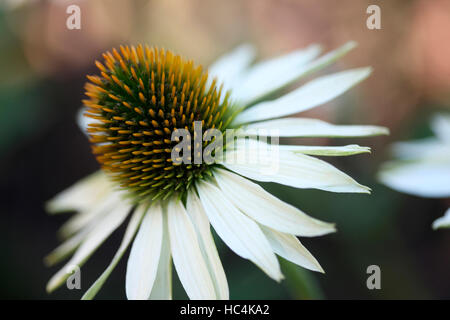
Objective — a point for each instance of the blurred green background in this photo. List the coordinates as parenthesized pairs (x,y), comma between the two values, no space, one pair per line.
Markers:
(42,73)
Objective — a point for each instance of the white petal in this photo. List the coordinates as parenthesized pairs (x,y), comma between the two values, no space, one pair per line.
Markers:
(347,150)
(305,127)
(90,216)
(266,209)
(290,248)
(421,178)
(95,238)
(441,127)
(280,72)
(162,288)
(82,220)
(66,248)
(187,257)
(271,74)
(84,122)
(262,162)
(82,195)
(423,148)
(230,66)
(127,238)
(144,256)
(310,95)
(239,232)
(442,222)
(201,224)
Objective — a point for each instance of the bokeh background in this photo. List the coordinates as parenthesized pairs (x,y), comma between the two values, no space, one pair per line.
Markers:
(42,151)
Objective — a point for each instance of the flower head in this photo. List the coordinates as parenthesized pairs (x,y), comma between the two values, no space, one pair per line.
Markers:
(142,98)
(422,167)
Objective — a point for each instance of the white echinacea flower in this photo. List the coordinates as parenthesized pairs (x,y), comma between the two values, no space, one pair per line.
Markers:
(140,98)
(422,167)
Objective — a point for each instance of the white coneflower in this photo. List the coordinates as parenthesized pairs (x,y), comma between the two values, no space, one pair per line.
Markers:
(141,97)
(423,166)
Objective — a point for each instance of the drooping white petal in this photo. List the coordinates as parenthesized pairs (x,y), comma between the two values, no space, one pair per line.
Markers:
(81,220)
(230,66)
(281,72)
(95,238)
(239,232)
(187,257)
(305,127)
(66,248)
(200,221)
(441,127)
(144,256)
(442,222)
(82,195)
(290,248)
(127,238)
(347,150)
(308,96)
(263,162)
(162,288)
(421,178)
(266,209)
(89,216)
(269,75)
